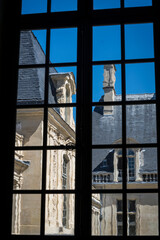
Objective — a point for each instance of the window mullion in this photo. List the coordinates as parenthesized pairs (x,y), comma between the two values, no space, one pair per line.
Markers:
(157,78)
(124,166)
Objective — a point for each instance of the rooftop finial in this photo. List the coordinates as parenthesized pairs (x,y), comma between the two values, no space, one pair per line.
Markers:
(108,87)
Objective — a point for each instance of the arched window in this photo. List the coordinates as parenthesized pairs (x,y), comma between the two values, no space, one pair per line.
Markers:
(65,173)
(131,165)
(65,186)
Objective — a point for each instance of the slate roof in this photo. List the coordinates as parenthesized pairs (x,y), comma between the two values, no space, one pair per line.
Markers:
(107,164)
(141,128)
(31,81)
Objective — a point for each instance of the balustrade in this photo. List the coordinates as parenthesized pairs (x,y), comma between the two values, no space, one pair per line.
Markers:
(108,177)
(99,178)
(149,177)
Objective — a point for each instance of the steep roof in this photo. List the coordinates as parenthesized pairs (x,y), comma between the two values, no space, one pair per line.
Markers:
(140,128)
(31,81)
(107,163)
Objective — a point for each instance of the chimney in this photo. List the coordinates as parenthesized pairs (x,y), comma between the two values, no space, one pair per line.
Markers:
(108,86)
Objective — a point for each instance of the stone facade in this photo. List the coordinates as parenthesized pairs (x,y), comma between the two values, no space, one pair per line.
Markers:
(28,170)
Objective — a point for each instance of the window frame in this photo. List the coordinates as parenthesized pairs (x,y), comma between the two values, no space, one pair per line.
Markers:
(84,19)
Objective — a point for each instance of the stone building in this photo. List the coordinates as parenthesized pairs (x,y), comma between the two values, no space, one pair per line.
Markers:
(142,209)
(60,169)
(107,164)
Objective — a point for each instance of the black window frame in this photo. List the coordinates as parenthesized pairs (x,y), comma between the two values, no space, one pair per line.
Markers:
(84,19)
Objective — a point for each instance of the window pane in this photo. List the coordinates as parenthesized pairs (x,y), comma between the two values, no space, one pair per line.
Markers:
(31,86)
(107,167)
(29,127)
(63,45)
(60,211)
(60,169)
(61,126)
(132,218)
(106,4)
(26,210)
(107,125)
(38,6)
(32,47)
(62,85)
(140,81)
(27,170)
(137,3)
(141,123)
(107,43)
(132,230)
(139,41)
(106,83)
(63,5)
(142,168)
(106,214)
(143,207)
(131,206)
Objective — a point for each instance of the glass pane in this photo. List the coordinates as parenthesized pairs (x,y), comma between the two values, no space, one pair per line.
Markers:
(139,41)
(63,5)
(107,125)
(60,211)
(26,211)
(140,81)
(61,126)
(107,214)
(63,45)
(132,218)
(142,168)
(107,43)
(106,4)
(60,171)
(31,86)
(137,3)
(62,85)
(131,206)
(141,123)
(106,83)
(32,47)
(34,6)
(27,170)
(29,127)
(142,214)
(119,206)
(107,167)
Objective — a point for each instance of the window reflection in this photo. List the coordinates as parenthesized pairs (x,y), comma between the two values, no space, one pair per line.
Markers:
(142,214)
(59,219)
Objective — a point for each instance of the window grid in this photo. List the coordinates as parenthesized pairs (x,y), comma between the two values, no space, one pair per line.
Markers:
(125,103)
(83,71)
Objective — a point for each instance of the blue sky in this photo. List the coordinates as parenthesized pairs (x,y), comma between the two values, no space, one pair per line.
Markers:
(108,4)
(40,6)
(139,44)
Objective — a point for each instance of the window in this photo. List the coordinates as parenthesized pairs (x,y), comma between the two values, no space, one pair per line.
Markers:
(130,165)
(119,218)
(131,217)
(93,44)
(65,173)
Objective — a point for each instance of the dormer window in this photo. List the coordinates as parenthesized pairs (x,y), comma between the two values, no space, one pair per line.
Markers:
(130,165)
